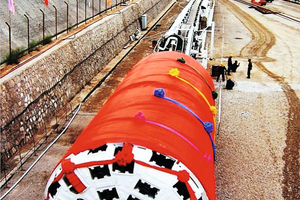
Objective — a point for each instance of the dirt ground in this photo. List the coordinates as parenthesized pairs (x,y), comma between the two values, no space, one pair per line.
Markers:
(271,103)
(257,147)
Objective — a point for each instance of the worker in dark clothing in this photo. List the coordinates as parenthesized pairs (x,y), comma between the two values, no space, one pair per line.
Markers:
(235,65)
(249,68)
(221,71)
(229,63)
(229,83)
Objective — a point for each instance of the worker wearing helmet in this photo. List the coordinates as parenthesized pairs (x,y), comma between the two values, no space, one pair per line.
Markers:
(229,83)
(221,71)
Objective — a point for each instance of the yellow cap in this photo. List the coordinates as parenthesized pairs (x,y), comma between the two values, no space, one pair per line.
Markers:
(230,54)
(229,77)
(222,64)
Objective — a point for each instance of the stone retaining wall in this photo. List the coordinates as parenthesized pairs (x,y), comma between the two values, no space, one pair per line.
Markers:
(33,94)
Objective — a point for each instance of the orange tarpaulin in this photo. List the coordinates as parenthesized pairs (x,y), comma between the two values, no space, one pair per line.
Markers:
(173,124)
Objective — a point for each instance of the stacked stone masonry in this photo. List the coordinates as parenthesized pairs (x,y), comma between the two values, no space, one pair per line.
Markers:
(34,93)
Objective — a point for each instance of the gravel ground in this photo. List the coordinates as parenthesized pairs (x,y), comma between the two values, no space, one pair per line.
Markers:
(251,141)
(256,113)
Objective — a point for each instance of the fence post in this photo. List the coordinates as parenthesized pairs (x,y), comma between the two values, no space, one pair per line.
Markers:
(67,17)
(99,7)
(93,8)
(85,11)
(77,13)
(43,26)
(45,129)
(55,21)
(3,166)
(20,156)
(5,176)
(28,45)
(9,39)
(34,144)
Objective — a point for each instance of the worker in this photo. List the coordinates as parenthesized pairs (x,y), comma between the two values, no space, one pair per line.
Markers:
(229,83)
(249,68)
(221,71)
(229,63)
(235,65)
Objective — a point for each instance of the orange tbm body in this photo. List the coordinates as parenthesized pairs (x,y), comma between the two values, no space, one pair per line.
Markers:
(153,138)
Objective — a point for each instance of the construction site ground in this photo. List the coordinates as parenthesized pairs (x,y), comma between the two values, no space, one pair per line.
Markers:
(257,146)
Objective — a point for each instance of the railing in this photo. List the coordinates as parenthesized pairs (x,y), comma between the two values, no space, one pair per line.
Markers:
(54,21)
(46,145)
(37,142)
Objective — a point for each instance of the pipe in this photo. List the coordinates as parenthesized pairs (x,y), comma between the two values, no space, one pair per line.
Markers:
(220,107)
(212,40)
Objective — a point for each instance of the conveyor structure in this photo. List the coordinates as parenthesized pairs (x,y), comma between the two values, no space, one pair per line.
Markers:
(189,31)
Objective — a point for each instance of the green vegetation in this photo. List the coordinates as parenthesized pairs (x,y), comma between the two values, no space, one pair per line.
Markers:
(48,39)
(15,55)
(34,45)
(19,52)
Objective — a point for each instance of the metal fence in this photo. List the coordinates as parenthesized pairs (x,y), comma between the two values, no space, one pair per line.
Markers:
(38,26)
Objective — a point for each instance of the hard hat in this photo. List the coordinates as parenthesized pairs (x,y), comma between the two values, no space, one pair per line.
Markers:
(230,54)
(229,77)
(222,64)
